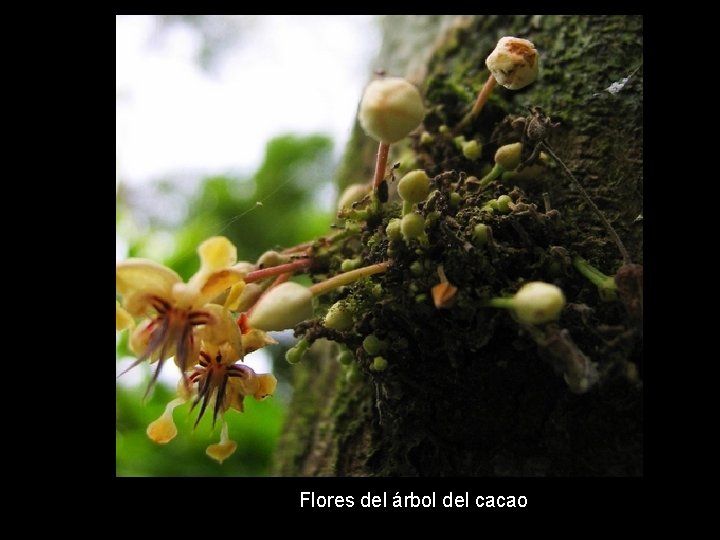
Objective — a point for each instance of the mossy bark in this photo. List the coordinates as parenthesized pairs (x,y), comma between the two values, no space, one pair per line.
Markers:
(455,403)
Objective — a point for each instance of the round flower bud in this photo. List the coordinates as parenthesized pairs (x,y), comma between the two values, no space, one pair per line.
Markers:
(480,234)
(282,307)
(508,156)
(339,317)
(538,302)
(393,229)
(379,364)
(272,258)
(390,109)
(346,357)
(412,225)
(294,354)
(513,63)
(373,345)
(503,204)
(471,150)
(414,186)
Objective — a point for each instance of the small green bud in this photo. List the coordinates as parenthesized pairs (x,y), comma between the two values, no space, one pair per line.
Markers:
(414,186)
(393,229)
(538,302)
(420,298)
(373,345)
(443,129)
(459,141)
(339,317)
(412,226)
(508,156)
(455,199)
(379,364)
(377,290)
(294,354)
(417,268)
(390,109)
(472,150)
(351,264)
(426,138)
(503,204)
(480,234)
(346,357)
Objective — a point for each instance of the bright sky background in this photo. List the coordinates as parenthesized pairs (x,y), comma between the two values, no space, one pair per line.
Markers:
(301,74)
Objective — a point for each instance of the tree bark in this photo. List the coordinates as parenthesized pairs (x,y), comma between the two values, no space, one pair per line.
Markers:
(475,395)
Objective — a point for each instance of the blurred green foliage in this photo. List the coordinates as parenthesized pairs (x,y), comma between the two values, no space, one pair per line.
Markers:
(150,221)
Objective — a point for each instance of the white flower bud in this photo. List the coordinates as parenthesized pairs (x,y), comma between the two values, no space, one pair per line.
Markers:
(282,307)
(513,63)
(538,302)
(390,109)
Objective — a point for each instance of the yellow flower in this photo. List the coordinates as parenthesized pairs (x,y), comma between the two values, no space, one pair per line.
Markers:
(173,310)
(219,381)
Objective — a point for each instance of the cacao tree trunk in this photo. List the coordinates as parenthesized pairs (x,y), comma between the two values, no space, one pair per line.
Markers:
(458,403)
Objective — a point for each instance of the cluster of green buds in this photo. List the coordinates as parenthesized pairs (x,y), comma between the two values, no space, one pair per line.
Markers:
(503,205)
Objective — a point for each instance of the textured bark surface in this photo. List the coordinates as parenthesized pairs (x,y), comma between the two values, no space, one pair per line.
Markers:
(496,408)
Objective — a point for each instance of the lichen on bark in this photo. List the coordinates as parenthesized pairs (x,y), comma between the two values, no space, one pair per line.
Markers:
(468,391)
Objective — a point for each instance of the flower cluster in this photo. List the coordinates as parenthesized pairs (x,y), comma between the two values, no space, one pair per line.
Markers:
(194,324)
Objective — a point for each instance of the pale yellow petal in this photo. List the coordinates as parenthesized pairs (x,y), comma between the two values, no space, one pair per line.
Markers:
(266,385)
(123,319)
(222,328)
(245,385)
(216,283)
(234,294)
(140,337)
(217,253)
(142,275)
(163,430)
(246,299)
(235,397)
(224,449)
(256,339)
